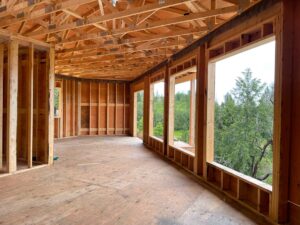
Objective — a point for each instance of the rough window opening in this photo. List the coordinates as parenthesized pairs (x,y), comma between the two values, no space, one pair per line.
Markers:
(244,111)
(57,102)
(139,114)
(157,109)
(182,110)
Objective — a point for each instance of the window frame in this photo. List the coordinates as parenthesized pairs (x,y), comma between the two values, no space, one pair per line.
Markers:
(151,114)
(211,111)
(173,75)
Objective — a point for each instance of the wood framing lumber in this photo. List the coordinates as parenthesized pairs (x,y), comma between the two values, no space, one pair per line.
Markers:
(25,15)
(107,109)
(126,41)
(26,41)
(12,106)
(30,105)
(1,102)
(18,8)
(51,81)
(112,16)
(78,107)
(153,25)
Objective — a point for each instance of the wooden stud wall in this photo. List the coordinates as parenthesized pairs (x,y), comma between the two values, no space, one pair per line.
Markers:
(25,107)
(289,186)
(280,203)
(93,108)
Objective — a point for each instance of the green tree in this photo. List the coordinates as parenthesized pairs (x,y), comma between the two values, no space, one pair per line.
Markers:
(182,116)
(140,113)
(244,128)
(56,101)
(158,115)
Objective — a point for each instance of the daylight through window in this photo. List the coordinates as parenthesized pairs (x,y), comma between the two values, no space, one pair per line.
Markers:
(57,102)
(182,110)
(139,100)
(244,111)
(157,109)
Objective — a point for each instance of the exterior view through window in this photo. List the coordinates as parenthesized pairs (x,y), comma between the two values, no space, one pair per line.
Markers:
(57,103)
(182,109)
(244,111)
(182,112)
(140,113)
(157,108)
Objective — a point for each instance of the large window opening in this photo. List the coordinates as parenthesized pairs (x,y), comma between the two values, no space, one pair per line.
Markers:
(244,111)
(182,110)
(139,114)
(157,109)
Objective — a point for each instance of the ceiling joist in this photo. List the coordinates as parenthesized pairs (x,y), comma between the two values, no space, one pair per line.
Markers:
(96,38)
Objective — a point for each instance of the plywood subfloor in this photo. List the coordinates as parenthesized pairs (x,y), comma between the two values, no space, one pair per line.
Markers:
(110,180)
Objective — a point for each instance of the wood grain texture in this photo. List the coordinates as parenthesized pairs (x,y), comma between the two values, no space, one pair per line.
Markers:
(12,106)
(74,191)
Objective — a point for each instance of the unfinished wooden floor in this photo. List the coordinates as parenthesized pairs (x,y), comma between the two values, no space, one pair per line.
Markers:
(110,180)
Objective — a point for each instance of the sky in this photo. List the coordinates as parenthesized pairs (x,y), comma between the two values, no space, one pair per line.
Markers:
(261,61)
(159,88)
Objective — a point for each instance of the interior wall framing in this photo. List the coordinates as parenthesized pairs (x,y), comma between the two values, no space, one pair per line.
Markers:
(26,79)
(91,107)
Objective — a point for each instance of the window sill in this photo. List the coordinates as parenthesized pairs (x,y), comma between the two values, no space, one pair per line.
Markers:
(243,177)
(156,138)
(183,150)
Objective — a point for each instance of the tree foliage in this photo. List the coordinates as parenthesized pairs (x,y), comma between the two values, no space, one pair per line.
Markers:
(181,115)
(158,115)
(243,125)
(56,101)
(140,113)
(244,128)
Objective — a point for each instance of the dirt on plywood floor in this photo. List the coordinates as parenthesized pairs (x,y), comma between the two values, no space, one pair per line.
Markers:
(111,180)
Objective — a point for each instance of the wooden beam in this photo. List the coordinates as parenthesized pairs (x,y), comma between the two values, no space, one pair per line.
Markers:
(51,81)
(166,110)
(1,102)
(134,112)
(50,9)
(70,12)
(201,108)
(124,107)
(171,110)
(126,41)
(107,109)
(90,107)
(123,51)
(112,16)
(23,6)
(79,108)
(26,41)
(30,105)
(36,100)
(65,102)
(192,111)
(12,106)
(150,58)
(116,97)
(73,108)
(155,24)
(151,97)
(210,115)
(146,110)
(99,107)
